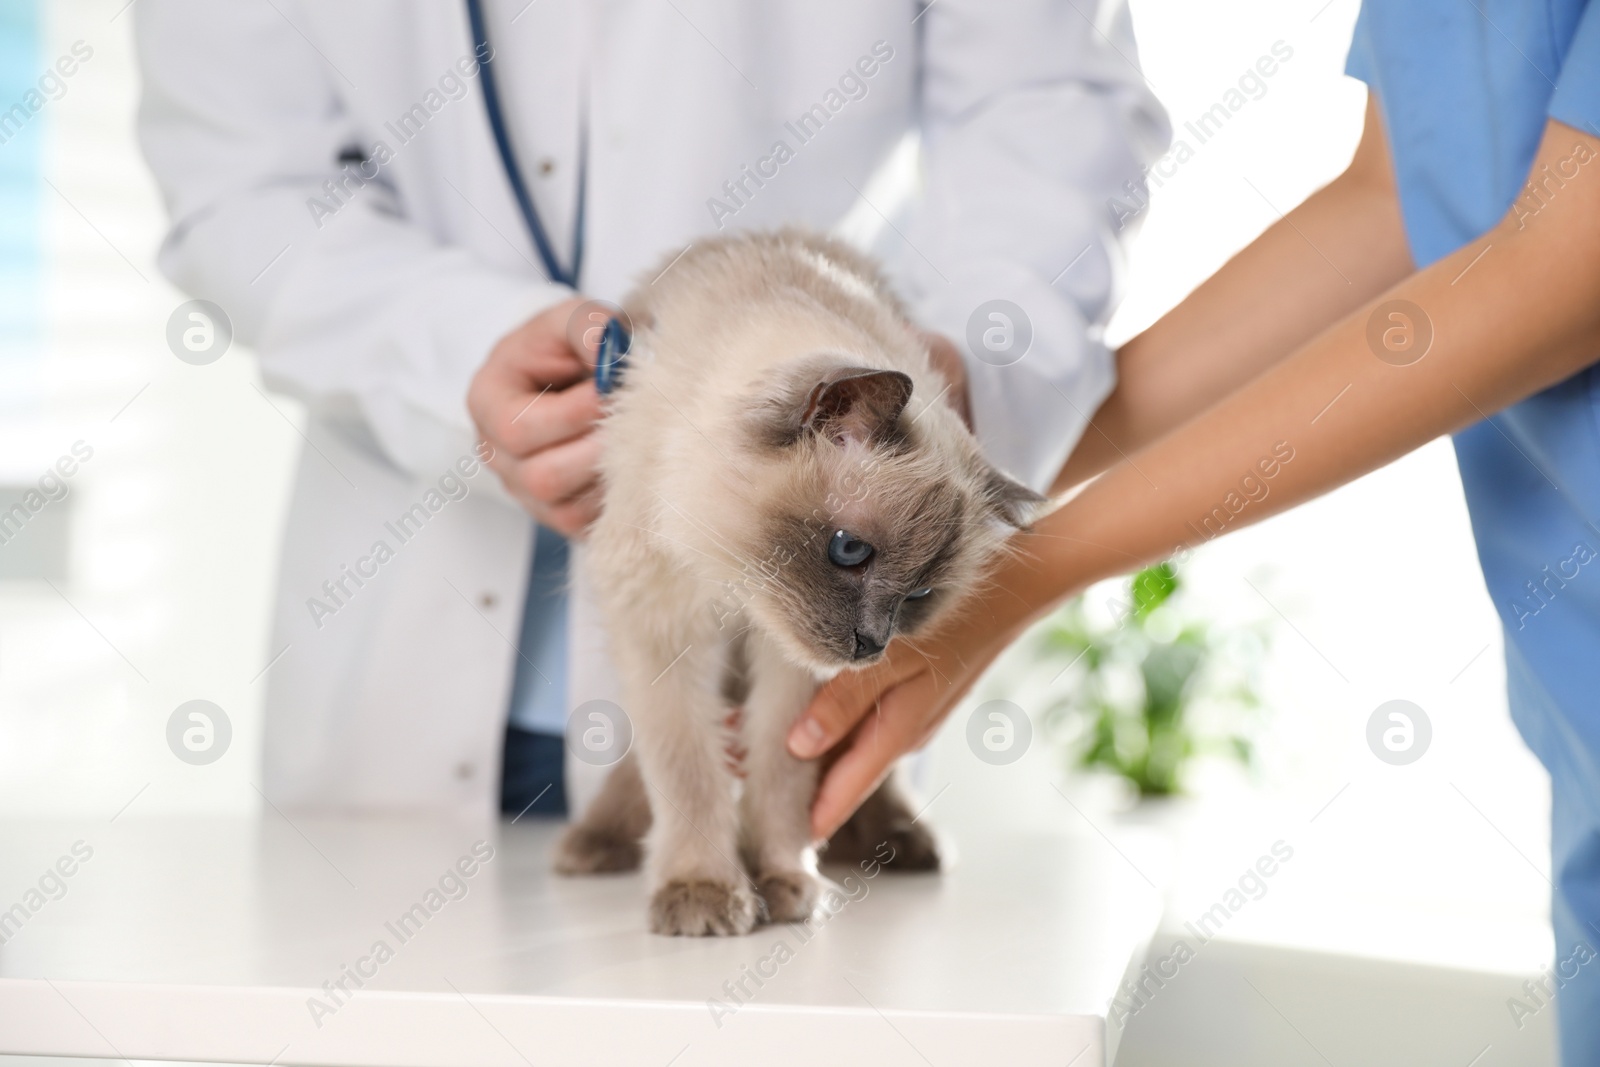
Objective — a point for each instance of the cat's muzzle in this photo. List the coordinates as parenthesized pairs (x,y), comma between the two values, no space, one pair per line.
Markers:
(867,647)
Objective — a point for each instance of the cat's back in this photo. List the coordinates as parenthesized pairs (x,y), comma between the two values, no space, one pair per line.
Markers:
(730,305)
(751,266)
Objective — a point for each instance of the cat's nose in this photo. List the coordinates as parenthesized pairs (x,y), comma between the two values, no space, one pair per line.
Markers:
(866,646)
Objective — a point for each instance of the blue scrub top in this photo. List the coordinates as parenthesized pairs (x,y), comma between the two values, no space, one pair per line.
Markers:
(1465,87)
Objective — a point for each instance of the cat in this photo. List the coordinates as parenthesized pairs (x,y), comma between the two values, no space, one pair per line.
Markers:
(785,491)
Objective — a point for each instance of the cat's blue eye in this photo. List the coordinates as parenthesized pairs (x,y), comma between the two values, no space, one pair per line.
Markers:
(918,594)
(845,550)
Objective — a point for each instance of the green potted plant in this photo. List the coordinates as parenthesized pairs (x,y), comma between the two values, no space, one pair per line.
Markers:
(1151,689)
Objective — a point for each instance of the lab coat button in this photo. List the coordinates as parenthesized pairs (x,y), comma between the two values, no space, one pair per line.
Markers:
(464,771)
(547,167)
(488,600)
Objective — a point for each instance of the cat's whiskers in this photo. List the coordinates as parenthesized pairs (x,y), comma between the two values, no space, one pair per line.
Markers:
(987,586)
(928,658)
(1092,544)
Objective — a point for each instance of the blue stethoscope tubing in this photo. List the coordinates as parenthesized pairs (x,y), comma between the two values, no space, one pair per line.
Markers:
(508,159)
(614,341)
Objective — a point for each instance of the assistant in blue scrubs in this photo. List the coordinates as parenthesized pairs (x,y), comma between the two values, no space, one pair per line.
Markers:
(1466,87)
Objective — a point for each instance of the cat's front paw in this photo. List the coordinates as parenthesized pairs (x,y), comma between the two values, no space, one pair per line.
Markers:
(789,896)
(702,908)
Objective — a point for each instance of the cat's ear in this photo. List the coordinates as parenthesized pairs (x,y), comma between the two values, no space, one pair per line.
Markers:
(1012,502)
(857,403)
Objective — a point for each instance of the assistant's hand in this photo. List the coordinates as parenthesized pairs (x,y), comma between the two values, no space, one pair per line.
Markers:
(535,403)
(912,690)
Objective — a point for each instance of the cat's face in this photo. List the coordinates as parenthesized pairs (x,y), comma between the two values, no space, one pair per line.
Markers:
(879,520)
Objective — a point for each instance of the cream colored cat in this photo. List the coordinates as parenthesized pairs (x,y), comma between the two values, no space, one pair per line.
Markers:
(785,492)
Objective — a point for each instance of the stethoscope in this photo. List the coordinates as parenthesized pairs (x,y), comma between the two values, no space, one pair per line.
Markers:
(614,340)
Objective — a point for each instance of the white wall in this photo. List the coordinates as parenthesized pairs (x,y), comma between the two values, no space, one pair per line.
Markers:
(177,513)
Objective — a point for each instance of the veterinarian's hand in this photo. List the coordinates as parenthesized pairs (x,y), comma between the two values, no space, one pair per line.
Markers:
(534,401)
(894,707)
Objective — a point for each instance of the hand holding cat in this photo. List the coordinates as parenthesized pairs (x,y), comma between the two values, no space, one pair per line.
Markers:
(913,689)
(534,401)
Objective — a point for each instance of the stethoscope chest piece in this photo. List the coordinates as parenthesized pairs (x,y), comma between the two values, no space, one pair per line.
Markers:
(612,358)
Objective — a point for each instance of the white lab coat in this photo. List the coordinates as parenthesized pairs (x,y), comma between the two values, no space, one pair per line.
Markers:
(377,308)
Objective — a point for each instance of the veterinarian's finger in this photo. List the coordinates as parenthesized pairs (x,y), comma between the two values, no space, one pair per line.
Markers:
(535,354)
(899,727)
(524,362)
(556,474)
(572,518)
(524,423)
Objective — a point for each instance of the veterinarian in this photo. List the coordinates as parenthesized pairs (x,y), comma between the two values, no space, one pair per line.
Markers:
(396,203)
(1447,282)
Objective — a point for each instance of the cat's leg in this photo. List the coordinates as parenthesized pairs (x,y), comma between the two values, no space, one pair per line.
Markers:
(886,829)
(776,806)
(609,837)
(698,886)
